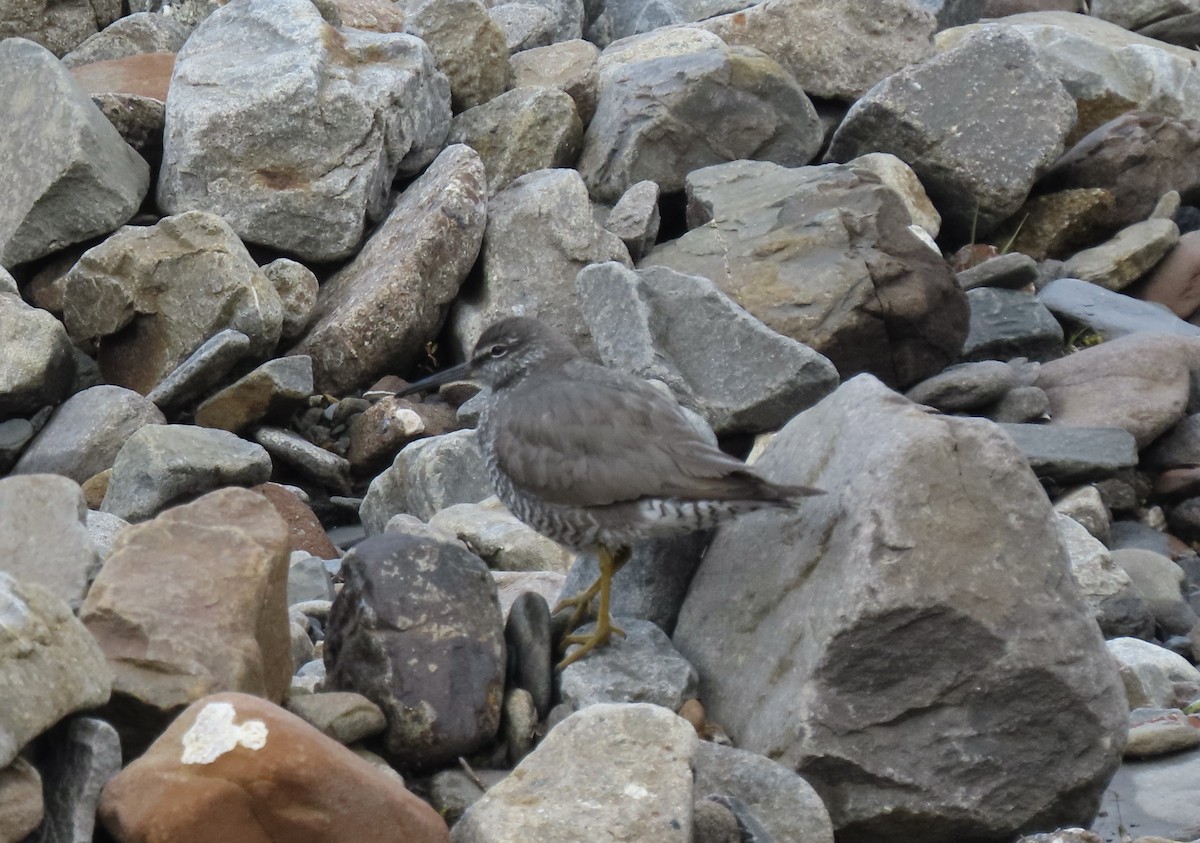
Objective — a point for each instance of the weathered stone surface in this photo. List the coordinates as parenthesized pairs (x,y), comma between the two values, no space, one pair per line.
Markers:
(59,26)
(525,25)
(85,434)
(163,464)
(37,366)
(297,287)
(163,290)
(468,46)
(1161,583)
(417,630)
(520,131)
(1010,323)
(343,112)
(682,330)
(1161,731)
(272,391)
(379,311)
(43,530)
(641,667)
(835,50)
(76,762)
(21,805)
(1150,672)
(311,460)
(345,716)
(1129,255)
(570,66)
(1056,225)
(1178,447)
(900,177)
(540,233)
(305,529)
(241,768)
(636,218)
(925,115)
(823,255)
(141,32)
(1175,282)
(1110,315)
(674,101)
(71,175)
(203,368)
(427,476)
(378,433)
(1106,588)
(1074,454)
(1139,383)
(621,771)
(191,603)
(49,665)
(1011,271)
(858,611)
(965,387)
(500,540)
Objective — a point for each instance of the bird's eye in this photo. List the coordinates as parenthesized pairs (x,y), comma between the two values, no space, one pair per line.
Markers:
(498,350)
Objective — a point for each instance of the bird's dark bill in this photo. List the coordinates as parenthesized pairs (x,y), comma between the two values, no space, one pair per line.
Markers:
(460,372)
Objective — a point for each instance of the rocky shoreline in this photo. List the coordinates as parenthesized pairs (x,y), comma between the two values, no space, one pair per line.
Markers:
(938,258)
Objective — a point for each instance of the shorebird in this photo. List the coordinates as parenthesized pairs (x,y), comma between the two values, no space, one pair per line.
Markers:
(595,458)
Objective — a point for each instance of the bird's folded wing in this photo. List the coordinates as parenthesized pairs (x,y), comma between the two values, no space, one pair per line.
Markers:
(603,442)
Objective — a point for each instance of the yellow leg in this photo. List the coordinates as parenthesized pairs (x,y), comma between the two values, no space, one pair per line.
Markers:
(610,563)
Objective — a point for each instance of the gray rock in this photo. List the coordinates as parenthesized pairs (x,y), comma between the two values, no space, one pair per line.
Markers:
(49,665)
(834,50)
(378,312)
(1010,271)
(641,667)
(38,365)
(312,461)
(613,20)
(307,579)
(519,726)
(526,26)
(468,45)
(1110,314)
(621,771)
(1135,14)
(1160,582)
(540,233)
(8,284)
(1086,507)
(858,611)
(59,26)
(927,116)
(103,527)
(676,101)
(530,649)
(274,391)
(967,386)
(297,287)
(452,791)
(1106,588)
(413,601)
(202,369)
(1010,323)
(498,538)
(85,434)
(427,475)
(342,715)
(570,66)
(141,32)
(1129,255)
(21,801)
(1159,731)
(1178,447)
(163,290)
(305,181)
(187,12)
(635,218)
(76,763)
(165,464)
(520,131)
(565,22)
(783,803)
(15,434)
(43,530)
(512,584)
(69,175)
(1074,454)
(1150,672)
(680,329)
(1023,404)
(823,255)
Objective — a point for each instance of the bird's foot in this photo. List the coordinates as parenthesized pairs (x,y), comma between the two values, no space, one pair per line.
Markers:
(599,637)
(582,603)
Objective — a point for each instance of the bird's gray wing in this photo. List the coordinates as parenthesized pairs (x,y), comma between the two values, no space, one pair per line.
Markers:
(595,437)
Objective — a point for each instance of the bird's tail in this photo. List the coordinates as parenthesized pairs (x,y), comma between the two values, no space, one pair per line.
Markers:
(757,488)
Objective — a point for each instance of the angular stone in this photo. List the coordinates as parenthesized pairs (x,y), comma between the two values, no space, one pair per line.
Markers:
(272,391)
(163,290)
(502,541)
(427,476)
(77,762)
(204,368)
(242,768)
(635,218)
(1010,323)
(1074,454)
(621,771)
(1057,225)
(70,175)
(305,528)
(345,111)
(1178,447)
(313,461)
(85,434)
(520,131)
(141,32)
(43,530)
(165,464)
(570,66)
(378,434)
(1127,257)
(58,26)
(835,50)
(468,46)
(927,116)
(676,101)
(417,630)
(898,648)
(660,324)
(342,715)
(641,667)
(1011,271)
(37,366)
(378,312)
(540,233)
(965,387)
(900,177)
(1108,314)
(823,255)
(1106,588)
(146,76)
(525,25)
(191,603)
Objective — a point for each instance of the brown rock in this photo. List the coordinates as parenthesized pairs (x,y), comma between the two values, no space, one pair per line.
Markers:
(236,768)
(378,434)
(21,805)
(1059,224)
(1175,283)
(1138,382)
(146,75)
(96,487)
(271,392)
(304,528)
(1177,483)
(372,15)
(191,603)
(569,66)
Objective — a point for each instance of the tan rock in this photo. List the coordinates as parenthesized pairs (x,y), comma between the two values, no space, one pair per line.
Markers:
(345,716)
(191,603)
(236,768)
(1175,282)
(21,805)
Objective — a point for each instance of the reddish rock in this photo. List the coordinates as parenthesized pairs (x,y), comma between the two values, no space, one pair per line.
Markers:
(377,435)
(304,529)
(192,603)
(147,75)
(1177,483)
(1175,282)
(236,768)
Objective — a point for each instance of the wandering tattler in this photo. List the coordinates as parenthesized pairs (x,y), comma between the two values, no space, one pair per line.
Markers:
(596,458)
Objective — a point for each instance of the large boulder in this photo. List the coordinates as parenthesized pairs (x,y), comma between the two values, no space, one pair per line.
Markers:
(922,625)
(37,367)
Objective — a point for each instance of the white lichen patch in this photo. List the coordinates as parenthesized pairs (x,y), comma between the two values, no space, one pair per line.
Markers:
(214,733)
